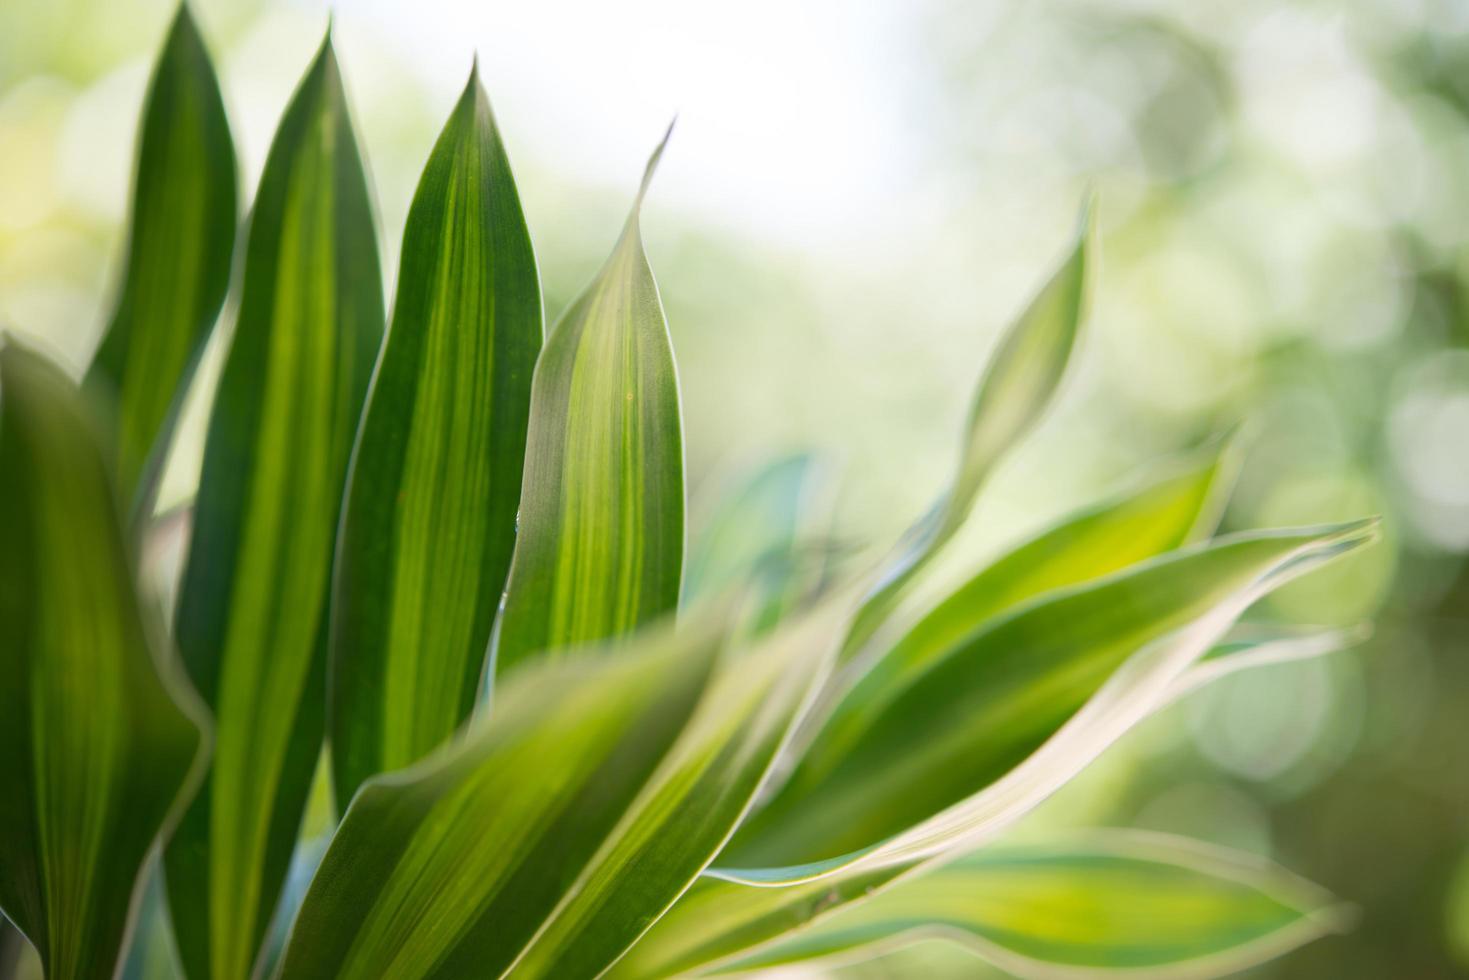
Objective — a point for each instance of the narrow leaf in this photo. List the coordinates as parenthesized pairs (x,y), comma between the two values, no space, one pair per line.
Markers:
(1248,647)
(252,611)
(430,515)
(547,841)
(97,750)
(180,238)
(1163,515)
(1123,902)
(601,541)
(991,729)
(1016,388)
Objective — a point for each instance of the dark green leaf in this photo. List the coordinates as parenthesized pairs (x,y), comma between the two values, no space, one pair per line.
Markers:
(252,610)
(97,750)
(430,519)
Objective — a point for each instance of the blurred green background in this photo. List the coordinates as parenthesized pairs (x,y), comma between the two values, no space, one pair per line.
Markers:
(856,198)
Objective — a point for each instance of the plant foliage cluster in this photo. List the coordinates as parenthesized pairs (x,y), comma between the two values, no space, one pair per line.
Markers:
(449,548)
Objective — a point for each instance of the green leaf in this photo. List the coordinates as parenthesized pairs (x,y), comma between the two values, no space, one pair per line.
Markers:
(1124,902)
(717,920)
(549,838)
(97,750)
(252,616)
(990,729)
(601,541)
(180,240)
(757,539)
(1013,394)
(1166,513)
(430,515)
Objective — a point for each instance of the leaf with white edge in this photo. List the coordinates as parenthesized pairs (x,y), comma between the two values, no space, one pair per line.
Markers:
(252,611)
(989,731)
(718,920)
(600,546)
(1121,903)
(1015,391)
(99,745)
(1166,513)
(477,862)
(430,515)
(1251,645)
(180,239)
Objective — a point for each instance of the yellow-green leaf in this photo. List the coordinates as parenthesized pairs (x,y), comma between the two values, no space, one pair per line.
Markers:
(430,516)
(601,540)
(988,730)
(98,749)
(180,238)
(1166,513)
(546,842)
(252,618)
(1127,903)
(1016,388)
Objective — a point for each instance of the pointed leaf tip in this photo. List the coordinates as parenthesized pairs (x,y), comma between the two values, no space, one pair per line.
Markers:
(653,161)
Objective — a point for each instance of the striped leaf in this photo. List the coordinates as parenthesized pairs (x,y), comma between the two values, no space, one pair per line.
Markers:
(992,728)
(252,610)
(1016,388)
(1181,506)
(545,842)
(601,542)
(180,238)
(1126,903)
(430,515)
(98,750)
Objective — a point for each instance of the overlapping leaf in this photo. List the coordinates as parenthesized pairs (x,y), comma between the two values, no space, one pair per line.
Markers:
(1120,902)
(989,730)
(1016,388)
(601,540)
(430,515)
(97,748)
(180,239)
(550,838)
(1167,512)
(252,611)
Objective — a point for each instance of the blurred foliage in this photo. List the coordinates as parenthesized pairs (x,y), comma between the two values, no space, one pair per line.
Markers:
(1285,209)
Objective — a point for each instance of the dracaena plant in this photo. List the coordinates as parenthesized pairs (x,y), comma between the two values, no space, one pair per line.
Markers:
(449,550)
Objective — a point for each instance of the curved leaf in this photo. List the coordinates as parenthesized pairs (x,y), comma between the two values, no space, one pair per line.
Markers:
(1163,515)
(431,500)
(991,729)
(1123,903)
(717,920)
(510,852)
(1257,645)
(252,610)
(1013,394)
(601,540)
(181,236)
(97,750)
